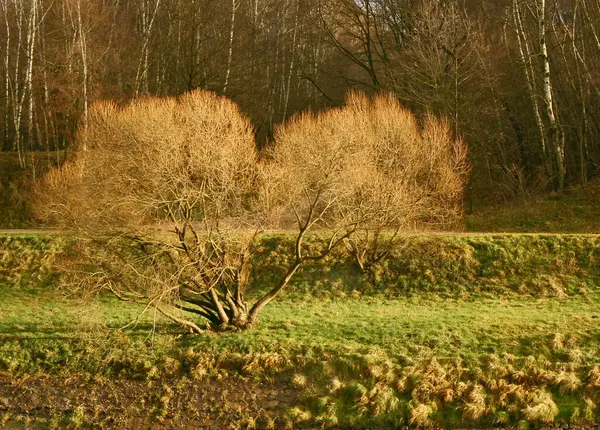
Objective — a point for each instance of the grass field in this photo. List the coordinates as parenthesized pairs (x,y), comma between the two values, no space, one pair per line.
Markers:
(495,357)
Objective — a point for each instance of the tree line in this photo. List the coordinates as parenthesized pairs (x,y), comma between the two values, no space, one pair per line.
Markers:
(518,80)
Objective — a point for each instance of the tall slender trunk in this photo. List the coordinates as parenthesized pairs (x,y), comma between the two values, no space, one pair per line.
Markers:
(45,136)
(368,43)
(272,71)
(525,53)
(593,24)
(7,103)
(583,94)
(68,37)
(148,17)
(292,59)
(16,96)
(234,6)
(31,40)
(555,133)
(84,68)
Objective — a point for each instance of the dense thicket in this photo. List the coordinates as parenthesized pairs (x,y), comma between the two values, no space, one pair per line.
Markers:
(518,80)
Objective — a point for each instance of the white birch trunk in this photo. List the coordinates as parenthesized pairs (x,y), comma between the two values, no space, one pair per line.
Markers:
(234,6)
(148,17)
(525,54)
(84,68)
(555,133)
(18,96)
(6,76)
(292,59)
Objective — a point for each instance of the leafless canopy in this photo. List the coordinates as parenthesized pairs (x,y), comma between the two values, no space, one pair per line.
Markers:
(166,187)
(367,171)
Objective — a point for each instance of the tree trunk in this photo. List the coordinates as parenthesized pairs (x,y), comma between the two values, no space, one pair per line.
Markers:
(84,67)
(7,104)
(148,18)
(234,6)
(291,68)
(555,133)
(525,54)
(18,96)
(31,40)
(263,301)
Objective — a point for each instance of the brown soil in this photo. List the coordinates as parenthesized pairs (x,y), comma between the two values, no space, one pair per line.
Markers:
(211,403)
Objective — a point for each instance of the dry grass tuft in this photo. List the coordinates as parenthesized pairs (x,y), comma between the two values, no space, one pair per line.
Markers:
(299,380)
(335,385)
(589,409)
(475,407)
(460,389)
(298,415)
(558,342)
(256,363)
(327,411)
(575,355)
(384,400)
(594,377)
(419,414)
(568,382)
(543,408)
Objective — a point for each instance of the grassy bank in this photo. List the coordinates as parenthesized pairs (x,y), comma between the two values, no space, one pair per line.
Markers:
(448,266)
(443,335)
(576,210)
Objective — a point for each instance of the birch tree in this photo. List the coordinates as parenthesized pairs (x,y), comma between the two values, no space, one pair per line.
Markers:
(148,12)
(538,74)
(555,133)
(234,7)
(7,91)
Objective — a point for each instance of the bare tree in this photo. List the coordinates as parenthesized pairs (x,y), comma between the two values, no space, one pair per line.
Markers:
(163,198)
(420,172)
(352,29)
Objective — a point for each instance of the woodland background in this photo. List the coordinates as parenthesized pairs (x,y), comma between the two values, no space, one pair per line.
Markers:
(518,80)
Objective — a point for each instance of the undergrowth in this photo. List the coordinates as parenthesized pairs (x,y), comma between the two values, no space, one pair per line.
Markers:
(576,210)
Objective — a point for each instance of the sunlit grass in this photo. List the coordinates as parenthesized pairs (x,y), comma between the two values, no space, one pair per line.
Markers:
(403,328)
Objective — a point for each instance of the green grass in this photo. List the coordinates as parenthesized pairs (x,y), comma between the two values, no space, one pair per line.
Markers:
(417,353)
(345,340)
(403,328)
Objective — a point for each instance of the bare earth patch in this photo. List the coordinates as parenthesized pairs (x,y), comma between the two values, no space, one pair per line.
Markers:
(215,403)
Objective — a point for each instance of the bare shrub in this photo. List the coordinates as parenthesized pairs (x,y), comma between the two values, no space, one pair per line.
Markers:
(369,171)
(521,187)
(164,192)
